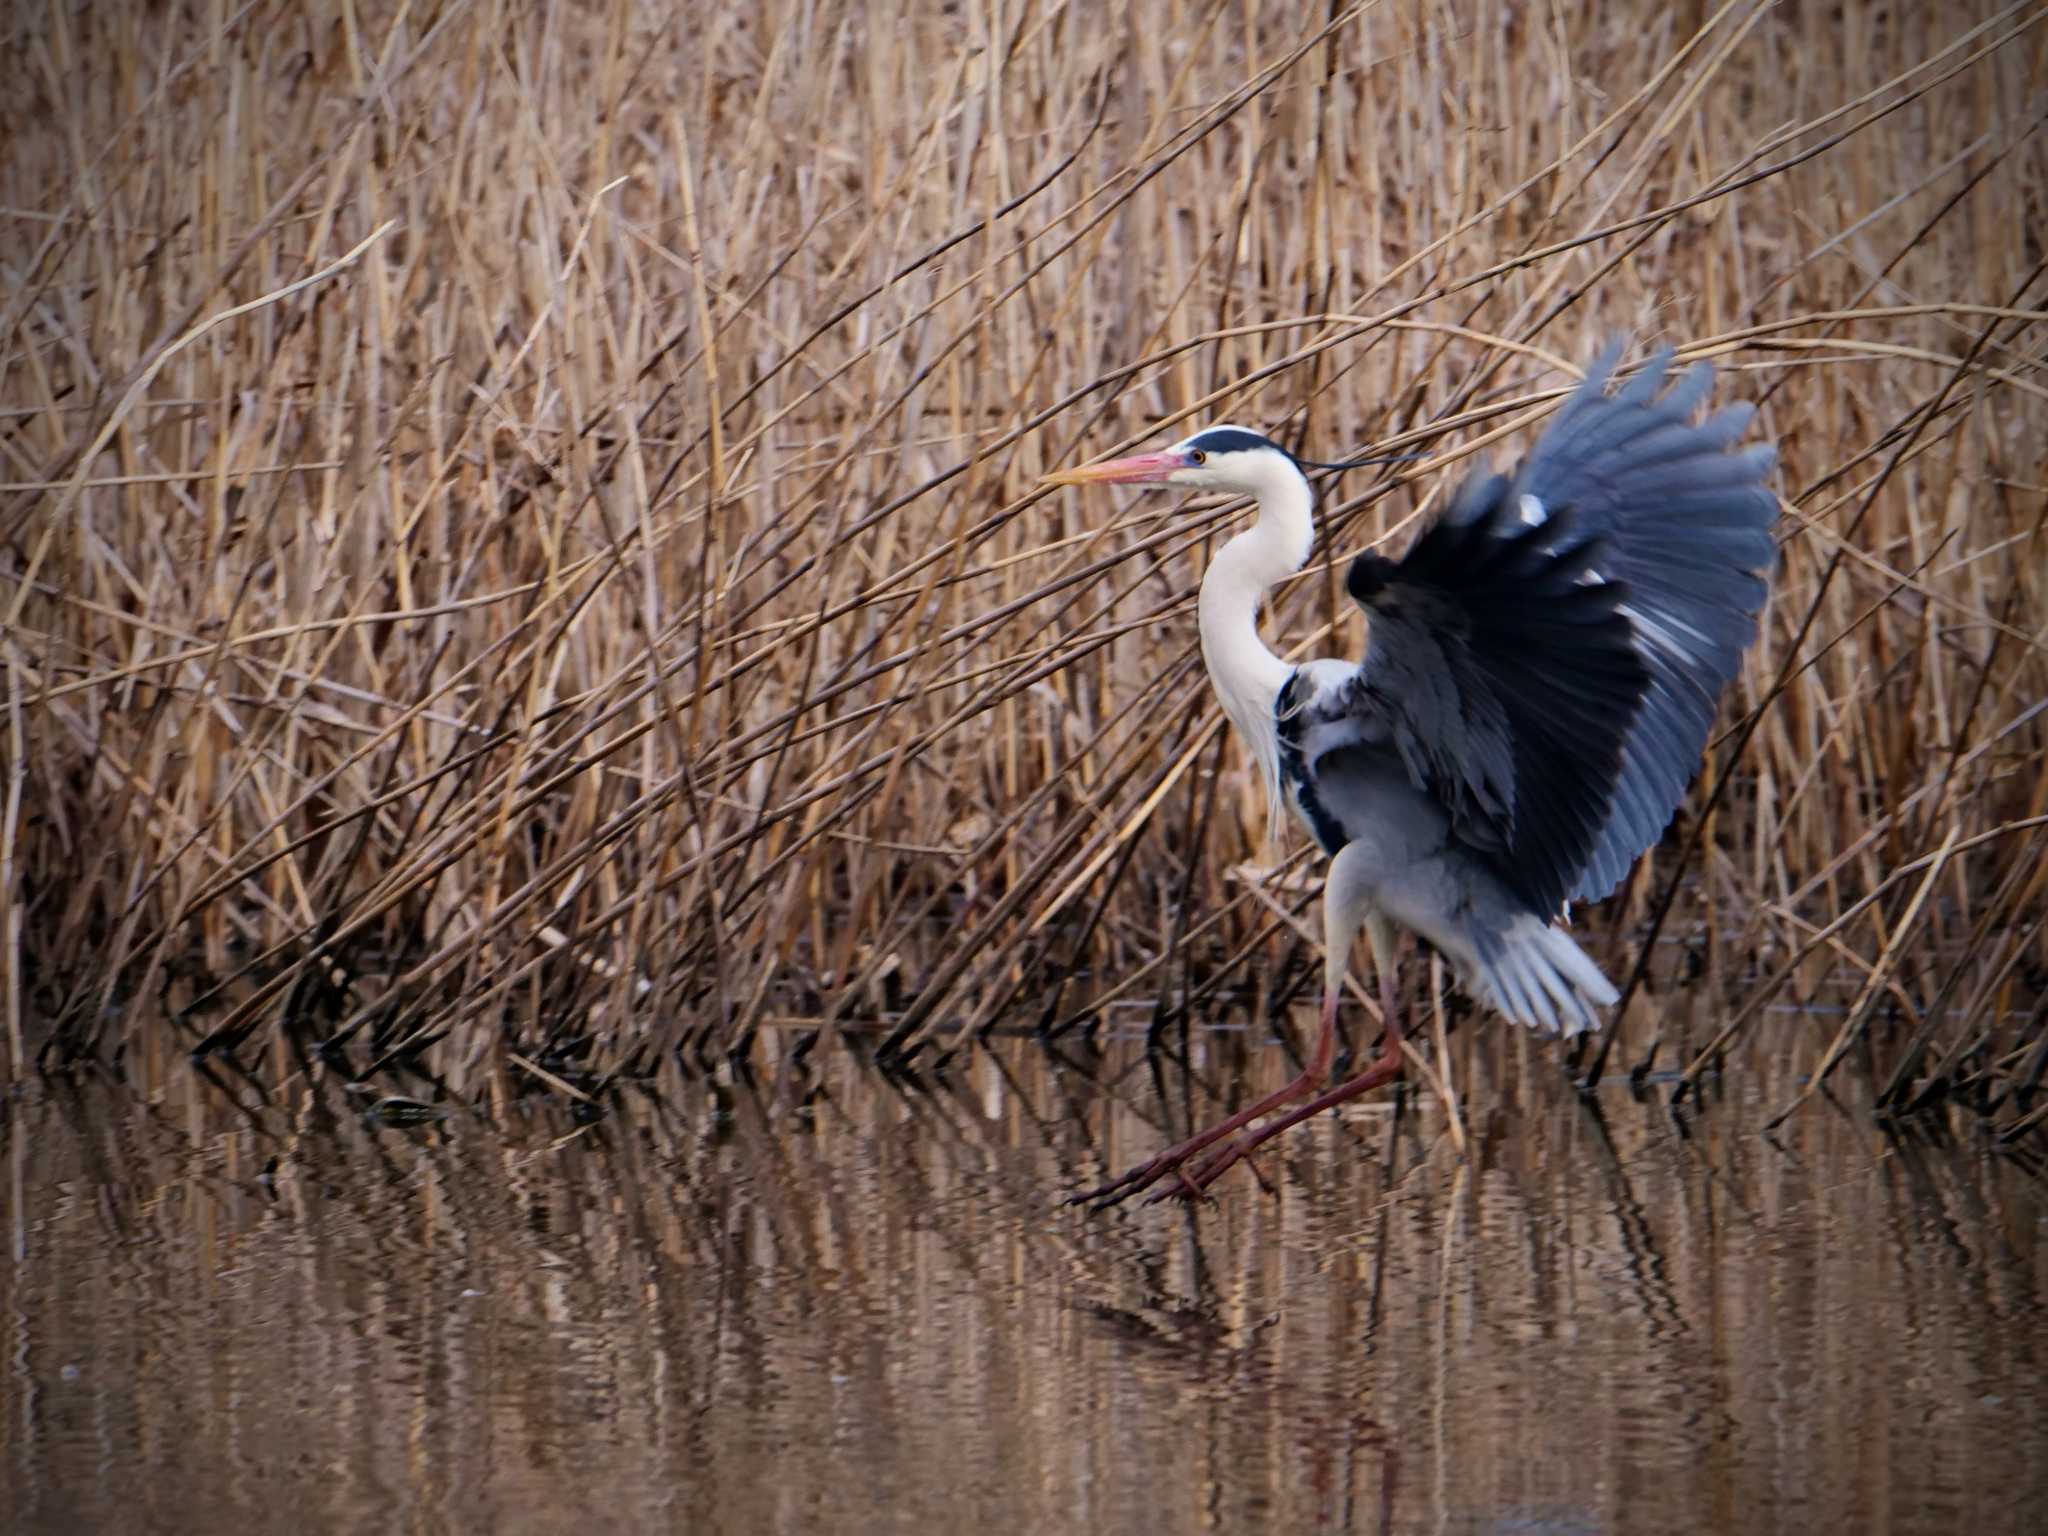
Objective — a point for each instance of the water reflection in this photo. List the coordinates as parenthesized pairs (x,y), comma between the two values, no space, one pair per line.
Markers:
(856,1304)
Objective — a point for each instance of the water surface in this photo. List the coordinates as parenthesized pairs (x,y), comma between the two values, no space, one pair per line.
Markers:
(854,1304)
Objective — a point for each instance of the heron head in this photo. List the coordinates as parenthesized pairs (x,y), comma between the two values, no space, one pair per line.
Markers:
(1222,458)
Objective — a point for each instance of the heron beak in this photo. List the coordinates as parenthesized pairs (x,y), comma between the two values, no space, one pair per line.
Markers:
(1144,469)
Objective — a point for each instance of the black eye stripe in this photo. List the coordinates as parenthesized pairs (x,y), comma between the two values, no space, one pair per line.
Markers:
(1230,440)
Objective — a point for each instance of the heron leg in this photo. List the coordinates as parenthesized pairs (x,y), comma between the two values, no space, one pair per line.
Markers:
(1385,1068)
(1345,906)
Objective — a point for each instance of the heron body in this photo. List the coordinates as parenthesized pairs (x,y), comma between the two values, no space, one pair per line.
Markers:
(1542,667)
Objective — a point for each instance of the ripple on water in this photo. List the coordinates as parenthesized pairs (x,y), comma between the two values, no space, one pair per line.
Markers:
(1589,1324)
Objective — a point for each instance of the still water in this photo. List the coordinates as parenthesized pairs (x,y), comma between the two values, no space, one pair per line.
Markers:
(851,1304)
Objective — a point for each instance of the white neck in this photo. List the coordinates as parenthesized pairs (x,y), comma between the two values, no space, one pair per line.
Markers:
(1247,676)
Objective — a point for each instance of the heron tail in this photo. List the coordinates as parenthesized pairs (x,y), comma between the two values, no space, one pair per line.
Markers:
(1535,974)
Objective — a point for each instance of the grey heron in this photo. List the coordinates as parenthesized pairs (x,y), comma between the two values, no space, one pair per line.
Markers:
(1542,668)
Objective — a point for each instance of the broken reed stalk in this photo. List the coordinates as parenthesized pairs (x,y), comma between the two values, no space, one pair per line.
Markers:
(612,610)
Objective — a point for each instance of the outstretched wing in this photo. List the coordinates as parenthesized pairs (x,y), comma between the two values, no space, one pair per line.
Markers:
(1684,524)
(1500,667)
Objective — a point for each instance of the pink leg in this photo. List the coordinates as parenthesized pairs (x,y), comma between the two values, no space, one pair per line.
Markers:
(1312,1078)
(1384,1069)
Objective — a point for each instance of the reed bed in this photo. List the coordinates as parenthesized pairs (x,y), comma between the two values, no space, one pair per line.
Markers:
(522,556)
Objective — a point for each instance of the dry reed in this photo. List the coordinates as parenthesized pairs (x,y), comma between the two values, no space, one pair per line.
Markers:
(521,554)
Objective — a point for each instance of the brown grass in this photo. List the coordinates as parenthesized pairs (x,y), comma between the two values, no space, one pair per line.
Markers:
(521,549)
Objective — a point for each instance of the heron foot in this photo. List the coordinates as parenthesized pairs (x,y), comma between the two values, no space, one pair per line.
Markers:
(1136,1180)
(1194,1184)
(1146,1174)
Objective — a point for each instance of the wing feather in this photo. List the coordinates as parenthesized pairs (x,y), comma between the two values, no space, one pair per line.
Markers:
(1506,680)
(1684,524)
(1548,657)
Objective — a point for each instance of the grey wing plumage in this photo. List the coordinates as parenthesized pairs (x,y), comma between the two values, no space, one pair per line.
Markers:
(1685,526)
(1502,672)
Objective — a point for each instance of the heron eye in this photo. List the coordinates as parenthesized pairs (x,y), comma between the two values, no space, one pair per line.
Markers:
(1198,456)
